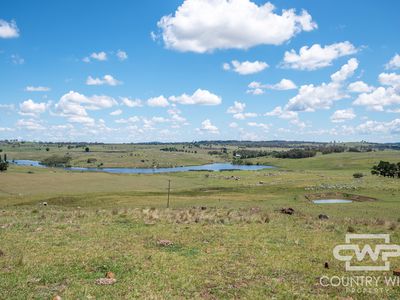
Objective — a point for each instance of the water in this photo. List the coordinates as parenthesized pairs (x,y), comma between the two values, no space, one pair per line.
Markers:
(209,167)
(331,201)
(26,162)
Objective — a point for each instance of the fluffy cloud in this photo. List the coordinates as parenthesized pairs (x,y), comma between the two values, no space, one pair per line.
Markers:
(201,97)
(359,87)
(31,108)
(342,115)
(394,63)
(205,25)
(122,55)
(371,127)
(316,57)
(237,107)
(245,67)
(37,89)
(378,99)
(8,29)
(257,88)
(283,114)
(131,103)
(74,106)
(390,79)
(100,56)
(242,115)
(208,127)
(30,124)
(116,112)
(106,80)
(263,126)
(311,98)
(159,101)
(382,96)
(345,71)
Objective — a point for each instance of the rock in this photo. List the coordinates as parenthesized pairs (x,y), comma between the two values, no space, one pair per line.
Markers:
(164,243)
(110,275)
(44,203)
(396,272)
(57,297)
(288,211)
(203,207)
(323,217)
(105,281)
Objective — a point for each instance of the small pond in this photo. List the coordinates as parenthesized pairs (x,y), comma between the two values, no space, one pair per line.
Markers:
(331,201)
(209,167)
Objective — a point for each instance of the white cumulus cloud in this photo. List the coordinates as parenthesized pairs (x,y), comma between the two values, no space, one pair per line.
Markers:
(316,57)
(359,87)
(31,108)
(8,29)
(246,67)
(106,80)
(342,115)
(206,25)
(200,97)
(131,102)
(312,97)
(394,63)
(208,127)
(237,107)
(159,101)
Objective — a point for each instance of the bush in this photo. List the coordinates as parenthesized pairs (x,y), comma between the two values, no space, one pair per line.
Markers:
(56,161)
(358,175)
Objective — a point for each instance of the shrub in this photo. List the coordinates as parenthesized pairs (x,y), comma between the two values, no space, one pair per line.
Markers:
(358,175)
(56,161)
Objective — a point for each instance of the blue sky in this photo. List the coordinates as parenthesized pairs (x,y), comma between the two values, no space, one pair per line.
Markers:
(130,71)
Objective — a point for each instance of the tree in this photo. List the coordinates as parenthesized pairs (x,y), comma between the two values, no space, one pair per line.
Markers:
(386,169)
(87,149)
(47,149)
(3,163)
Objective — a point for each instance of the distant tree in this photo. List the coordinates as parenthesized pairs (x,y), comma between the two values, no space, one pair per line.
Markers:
(87,149)
(47,149)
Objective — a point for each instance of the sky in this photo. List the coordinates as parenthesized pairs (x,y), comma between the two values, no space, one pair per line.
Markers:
(170,71)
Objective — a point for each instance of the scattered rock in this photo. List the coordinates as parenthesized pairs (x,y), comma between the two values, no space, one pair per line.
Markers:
(44,203)
(396,272)
(326,265)
(110,275)
(323,217)
(203,207)
(57,297)
(105,281)
(164,243)
(288,211)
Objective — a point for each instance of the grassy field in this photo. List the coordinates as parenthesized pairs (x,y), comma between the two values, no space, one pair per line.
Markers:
(116,155)
(229,238)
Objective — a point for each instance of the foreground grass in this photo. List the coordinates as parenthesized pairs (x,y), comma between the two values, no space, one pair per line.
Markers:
(229,238)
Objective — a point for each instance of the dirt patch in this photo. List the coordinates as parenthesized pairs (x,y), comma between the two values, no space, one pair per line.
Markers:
(338,195)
